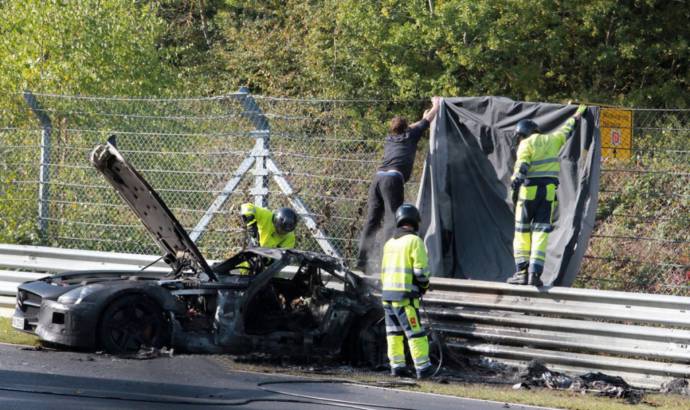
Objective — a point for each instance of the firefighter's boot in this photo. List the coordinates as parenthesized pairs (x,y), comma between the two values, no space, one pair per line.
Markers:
(534,279)
(426,372)
(519,278)
(401,372)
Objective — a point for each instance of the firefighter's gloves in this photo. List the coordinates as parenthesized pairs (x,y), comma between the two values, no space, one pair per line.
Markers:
(580,110)
(252,230)
(423,287)
(519,178)
(253,235)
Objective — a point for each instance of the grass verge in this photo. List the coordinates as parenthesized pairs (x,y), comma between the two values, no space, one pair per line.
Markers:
(560,399)
(9,335)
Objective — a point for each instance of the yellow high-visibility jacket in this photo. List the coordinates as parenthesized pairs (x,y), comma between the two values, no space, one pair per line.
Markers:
(263,218)
(537,155)
(404,268)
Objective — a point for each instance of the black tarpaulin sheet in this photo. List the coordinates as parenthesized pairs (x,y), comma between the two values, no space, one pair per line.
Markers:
(464,196)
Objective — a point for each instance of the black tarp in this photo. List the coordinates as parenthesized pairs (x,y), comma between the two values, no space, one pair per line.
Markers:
(464,196)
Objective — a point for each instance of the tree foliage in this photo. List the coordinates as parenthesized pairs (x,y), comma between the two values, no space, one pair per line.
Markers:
(82,47)
(628,52)
(632,51)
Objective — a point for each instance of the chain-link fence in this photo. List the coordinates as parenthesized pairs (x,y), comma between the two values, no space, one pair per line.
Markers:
(326,150)
(641,240)
(188,150)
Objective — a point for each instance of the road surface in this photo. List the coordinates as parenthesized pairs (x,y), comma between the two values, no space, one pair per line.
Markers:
(47,379)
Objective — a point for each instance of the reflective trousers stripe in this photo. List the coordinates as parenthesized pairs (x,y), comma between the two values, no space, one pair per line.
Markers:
(404,315)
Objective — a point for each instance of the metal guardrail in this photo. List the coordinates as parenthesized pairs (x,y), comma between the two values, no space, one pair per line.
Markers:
(20,263)
(641,337)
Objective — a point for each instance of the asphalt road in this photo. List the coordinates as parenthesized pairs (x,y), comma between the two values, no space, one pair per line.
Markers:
(47,379)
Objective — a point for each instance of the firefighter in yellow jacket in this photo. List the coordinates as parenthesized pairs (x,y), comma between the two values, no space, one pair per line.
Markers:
(404,278)
(270,229)
(535,178)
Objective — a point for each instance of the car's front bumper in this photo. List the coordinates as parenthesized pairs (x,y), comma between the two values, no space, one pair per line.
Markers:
(72,325)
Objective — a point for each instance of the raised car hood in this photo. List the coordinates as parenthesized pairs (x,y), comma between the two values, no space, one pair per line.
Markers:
(178,248)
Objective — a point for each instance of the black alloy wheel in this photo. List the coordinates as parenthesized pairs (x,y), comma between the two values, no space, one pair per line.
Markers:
(132,322)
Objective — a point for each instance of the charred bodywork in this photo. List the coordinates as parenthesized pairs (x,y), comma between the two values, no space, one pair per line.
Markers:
(261,300)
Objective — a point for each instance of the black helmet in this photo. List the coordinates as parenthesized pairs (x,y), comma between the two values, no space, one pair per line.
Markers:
(525,128)
(285,220)
(407,213)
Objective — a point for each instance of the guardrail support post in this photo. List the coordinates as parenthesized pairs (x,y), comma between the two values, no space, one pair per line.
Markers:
(44,165)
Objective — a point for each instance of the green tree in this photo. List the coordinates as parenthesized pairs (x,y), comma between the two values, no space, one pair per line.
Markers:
(82,47)
(631,52)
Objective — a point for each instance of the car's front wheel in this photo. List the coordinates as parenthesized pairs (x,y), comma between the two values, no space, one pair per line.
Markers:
(366,344)
(132,322)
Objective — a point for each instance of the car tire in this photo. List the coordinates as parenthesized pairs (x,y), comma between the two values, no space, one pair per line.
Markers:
(366,343)
(131,322)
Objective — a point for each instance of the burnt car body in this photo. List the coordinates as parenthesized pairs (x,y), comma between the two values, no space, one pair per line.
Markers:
(278,301)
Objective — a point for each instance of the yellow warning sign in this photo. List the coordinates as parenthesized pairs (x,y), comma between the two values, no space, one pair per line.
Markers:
(616,133)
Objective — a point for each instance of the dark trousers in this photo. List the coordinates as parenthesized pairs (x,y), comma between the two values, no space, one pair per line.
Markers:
(386,194)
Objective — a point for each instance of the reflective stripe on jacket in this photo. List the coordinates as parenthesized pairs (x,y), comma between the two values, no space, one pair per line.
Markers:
(268,237)
(540,153)
(404,267)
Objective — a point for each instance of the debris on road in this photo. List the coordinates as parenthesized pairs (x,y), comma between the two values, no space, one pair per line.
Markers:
(676,386)
(148,353)
(538,375)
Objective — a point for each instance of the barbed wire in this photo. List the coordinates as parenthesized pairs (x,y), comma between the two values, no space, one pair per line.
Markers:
(63,113)
(172,209)
(133,226)
(127,98)
(646,171)
(637,261)
(98,239)
(659,109)
(148,170)
(18,200)
(298,155)
(658,129)
(228,134)
(591,278)
(638,238)
(651,217)
(335,101)
(652,194)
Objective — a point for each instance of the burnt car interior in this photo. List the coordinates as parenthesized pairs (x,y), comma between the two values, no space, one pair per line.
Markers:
(297,303)
(297,298)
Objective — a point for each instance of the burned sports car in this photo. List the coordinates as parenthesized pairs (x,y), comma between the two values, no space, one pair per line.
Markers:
(261,300)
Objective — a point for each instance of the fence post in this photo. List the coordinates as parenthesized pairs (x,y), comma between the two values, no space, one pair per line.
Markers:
(264,167)
(44,165)
(261,147)
(260,152)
